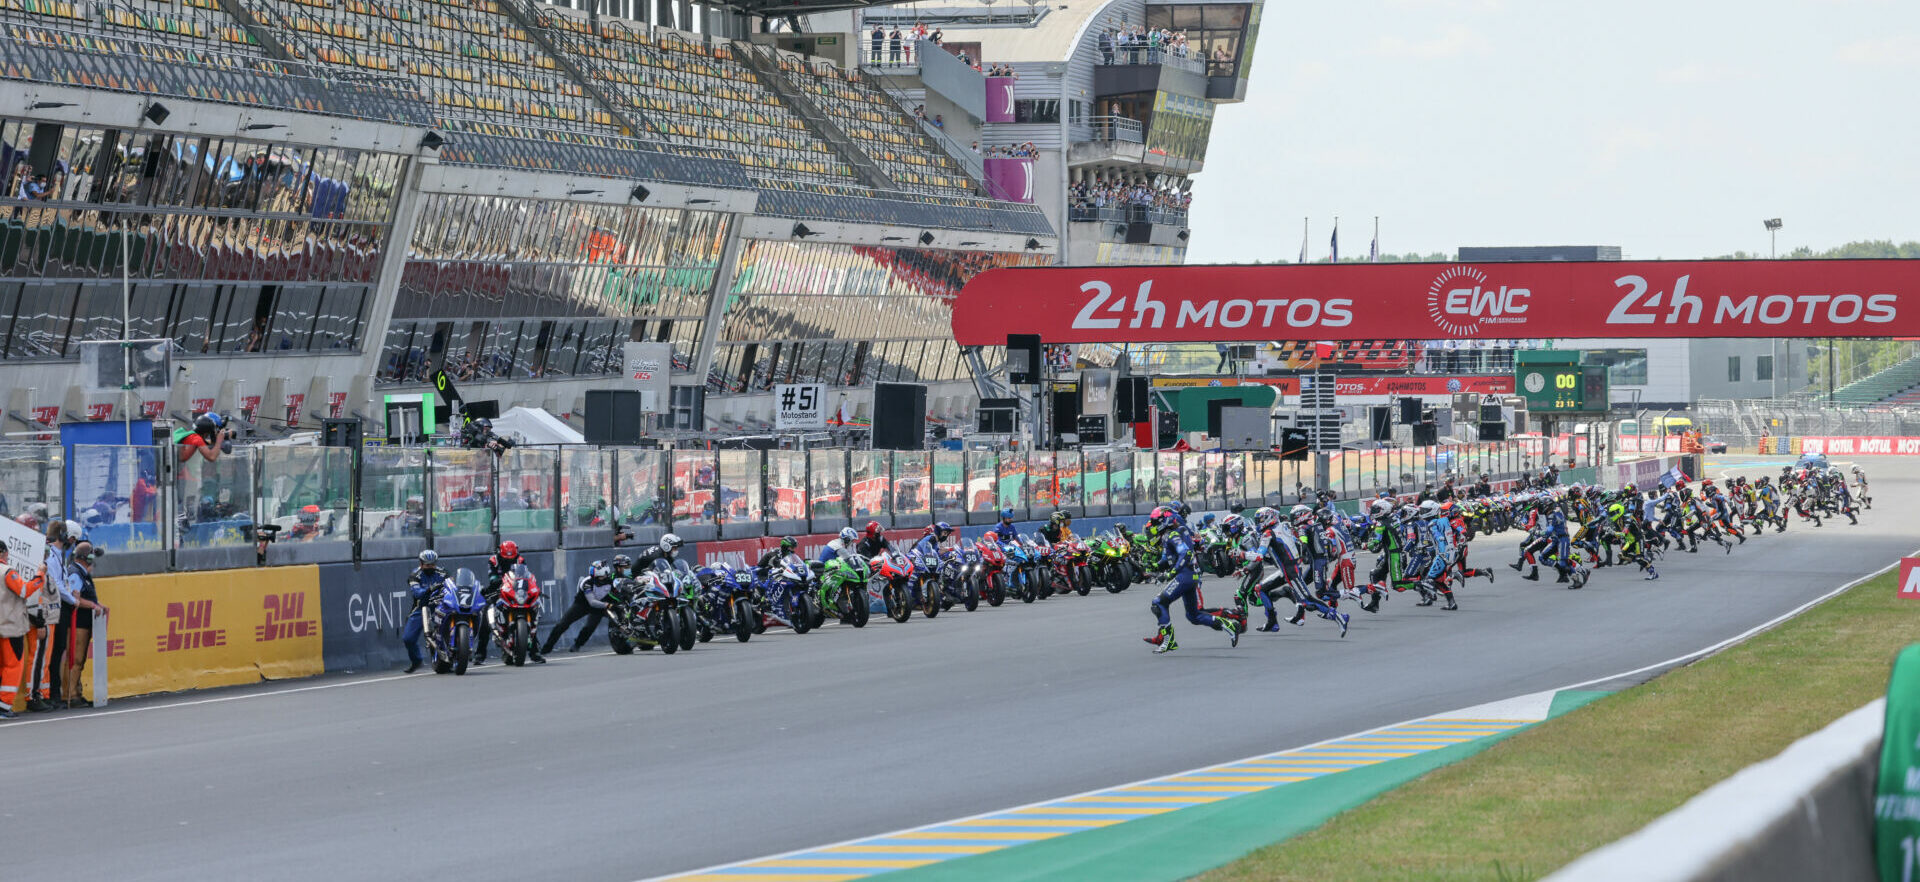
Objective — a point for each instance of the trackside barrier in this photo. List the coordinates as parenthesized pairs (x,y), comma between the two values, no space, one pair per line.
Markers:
(1804,814)
(1645,473)
(1853,445)
(196,630)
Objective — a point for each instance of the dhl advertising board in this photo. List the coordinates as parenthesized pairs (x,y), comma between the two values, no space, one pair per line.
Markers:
(177,631)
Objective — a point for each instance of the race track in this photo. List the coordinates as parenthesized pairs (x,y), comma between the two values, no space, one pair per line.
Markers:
(616,768)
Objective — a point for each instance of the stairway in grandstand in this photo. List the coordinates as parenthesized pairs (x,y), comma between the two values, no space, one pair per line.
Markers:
(1899,384)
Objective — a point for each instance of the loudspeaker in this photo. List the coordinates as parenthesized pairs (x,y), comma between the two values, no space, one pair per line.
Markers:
(1168,432)
(899,416)
(1425,435)
(1132,396)
(1380,423)
(613,416)
(478,410)
(1490,413)
(1139,234)
(997,415)
(1066,410)
(1409,411)
(1294,444)
(1493,430)
(1023,359)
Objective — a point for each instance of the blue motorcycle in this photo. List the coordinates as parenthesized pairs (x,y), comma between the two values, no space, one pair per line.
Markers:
(789,601)
(1022,568)
(725,604)
(956,578)
(456,610)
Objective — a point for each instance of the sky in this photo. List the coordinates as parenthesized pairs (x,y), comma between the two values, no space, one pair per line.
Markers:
(1671,129)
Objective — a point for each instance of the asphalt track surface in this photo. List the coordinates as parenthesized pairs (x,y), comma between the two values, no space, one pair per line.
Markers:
(599,767)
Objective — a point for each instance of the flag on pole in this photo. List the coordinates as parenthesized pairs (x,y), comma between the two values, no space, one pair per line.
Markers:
(1334,243)
(1305,223)
(1373,251)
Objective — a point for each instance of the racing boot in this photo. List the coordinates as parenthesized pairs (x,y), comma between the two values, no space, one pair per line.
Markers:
(412,666)
(1652,574)
(1371,602)
(1232,628)
(1563,577)
(1533,575)
(1518,564)
(1851,520)
(1162,639)
(1488,572)
(1343,620)
(1427,593)
(533,652)
(1451,605)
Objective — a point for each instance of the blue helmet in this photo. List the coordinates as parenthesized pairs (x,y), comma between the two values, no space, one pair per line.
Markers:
(942,529)
(1206,520)
(1006,514)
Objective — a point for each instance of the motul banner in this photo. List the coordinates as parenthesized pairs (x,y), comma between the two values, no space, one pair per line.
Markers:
(1401,301)
(1858,444)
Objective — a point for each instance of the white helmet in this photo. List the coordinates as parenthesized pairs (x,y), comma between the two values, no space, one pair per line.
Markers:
(1429,509)
(848,535)
(670,543)
(1381,508)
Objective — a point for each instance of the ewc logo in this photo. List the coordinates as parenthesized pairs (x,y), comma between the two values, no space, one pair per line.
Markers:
(1460,300)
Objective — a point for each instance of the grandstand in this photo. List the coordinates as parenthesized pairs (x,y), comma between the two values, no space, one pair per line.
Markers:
(323,202)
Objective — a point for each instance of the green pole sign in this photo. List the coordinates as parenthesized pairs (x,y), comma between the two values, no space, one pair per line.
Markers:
(1896,804)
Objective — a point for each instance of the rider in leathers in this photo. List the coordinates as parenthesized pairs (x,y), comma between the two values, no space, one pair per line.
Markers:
(1178,554)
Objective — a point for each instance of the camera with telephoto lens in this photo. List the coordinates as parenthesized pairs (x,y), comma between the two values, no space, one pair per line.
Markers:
(479,435)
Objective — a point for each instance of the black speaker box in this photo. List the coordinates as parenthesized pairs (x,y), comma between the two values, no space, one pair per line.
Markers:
(899,416)
(613,416)
(1380,423)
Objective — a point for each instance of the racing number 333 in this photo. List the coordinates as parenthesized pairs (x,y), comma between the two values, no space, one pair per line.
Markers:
(1720,298)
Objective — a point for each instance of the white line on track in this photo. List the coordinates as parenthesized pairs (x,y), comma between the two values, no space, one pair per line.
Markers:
(1672,662)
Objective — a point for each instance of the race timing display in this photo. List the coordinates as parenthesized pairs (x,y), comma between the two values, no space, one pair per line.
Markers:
(1360,301)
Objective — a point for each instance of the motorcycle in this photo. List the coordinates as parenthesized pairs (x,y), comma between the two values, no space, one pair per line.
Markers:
(1022,572)
(640,614)
(1080,565)
(788,602)
(457,609)
(725,604)
(926,587)
(514,614)
(1110,566)
(684,588)
(990,571)
(892,572)
(1039,565)
(954,578)
(843,589)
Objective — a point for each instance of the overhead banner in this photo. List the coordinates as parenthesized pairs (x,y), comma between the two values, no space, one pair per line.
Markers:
(1009,178)
(1000,99)
(1421,301)
(649,367)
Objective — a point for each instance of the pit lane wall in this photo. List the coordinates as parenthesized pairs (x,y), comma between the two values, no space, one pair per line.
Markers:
(176,631)
(1804,814)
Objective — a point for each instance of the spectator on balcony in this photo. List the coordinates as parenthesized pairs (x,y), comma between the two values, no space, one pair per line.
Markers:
(964,57)
(893,46)
(1220,52)
(919,31)
(1106,46)
(879,39)
(937,36)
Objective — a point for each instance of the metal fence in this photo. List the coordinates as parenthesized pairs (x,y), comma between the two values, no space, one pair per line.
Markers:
(1742,423)
(328,504)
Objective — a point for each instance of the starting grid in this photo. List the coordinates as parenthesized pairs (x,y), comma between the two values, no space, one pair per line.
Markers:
(947,840)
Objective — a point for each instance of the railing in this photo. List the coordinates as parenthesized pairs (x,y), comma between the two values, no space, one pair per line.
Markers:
(1124,55)
(1744,422)
(1118,128)
(329,504)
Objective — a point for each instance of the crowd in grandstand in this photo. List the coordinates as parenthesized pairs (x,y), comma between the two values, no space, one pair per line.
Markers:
(1131,42)
(1026,150)
(1101,192)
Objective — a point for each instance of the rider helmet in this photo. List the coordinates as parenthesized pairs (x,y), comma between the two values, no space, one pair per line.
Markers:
(1006,514)
(1429,509)
(1266,517)
(1381,508)
(873,529)
(1300,514)
(848,536)
(788,544)
(942,529)
(622,563)
(992,537)
(1206,520)
(310,514)
(509,548)
(670,543)
(429,559)
(1183,510)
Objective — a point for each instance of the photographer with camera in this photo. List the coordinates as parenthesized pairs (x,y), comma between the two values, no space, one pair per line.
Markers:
(478,435)
(211,437)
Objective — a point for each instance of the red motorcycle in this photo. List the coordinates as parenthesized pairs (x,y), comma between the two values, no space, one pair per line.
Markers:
(516,615)
(992,574)
(894,572)
(1080,562)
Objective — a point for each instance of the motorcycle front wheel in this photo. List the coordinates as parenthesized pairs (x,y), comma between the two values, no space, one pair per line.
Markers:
(619,643)
(462,647)
(666,629)
(744,615)
(688,632)
(972,598)
(996,589)
(1118,580)
(521,640)
(1082,582)
(930,599)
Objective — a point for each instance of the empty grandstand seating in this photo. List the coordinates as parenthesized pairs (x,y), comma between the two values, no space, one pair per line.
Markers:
(885,132)
(1884,386)
(694,93)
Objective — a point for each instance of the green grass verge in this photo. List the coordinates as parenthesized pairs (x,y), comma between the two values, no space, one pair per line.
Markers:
(1534,802)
